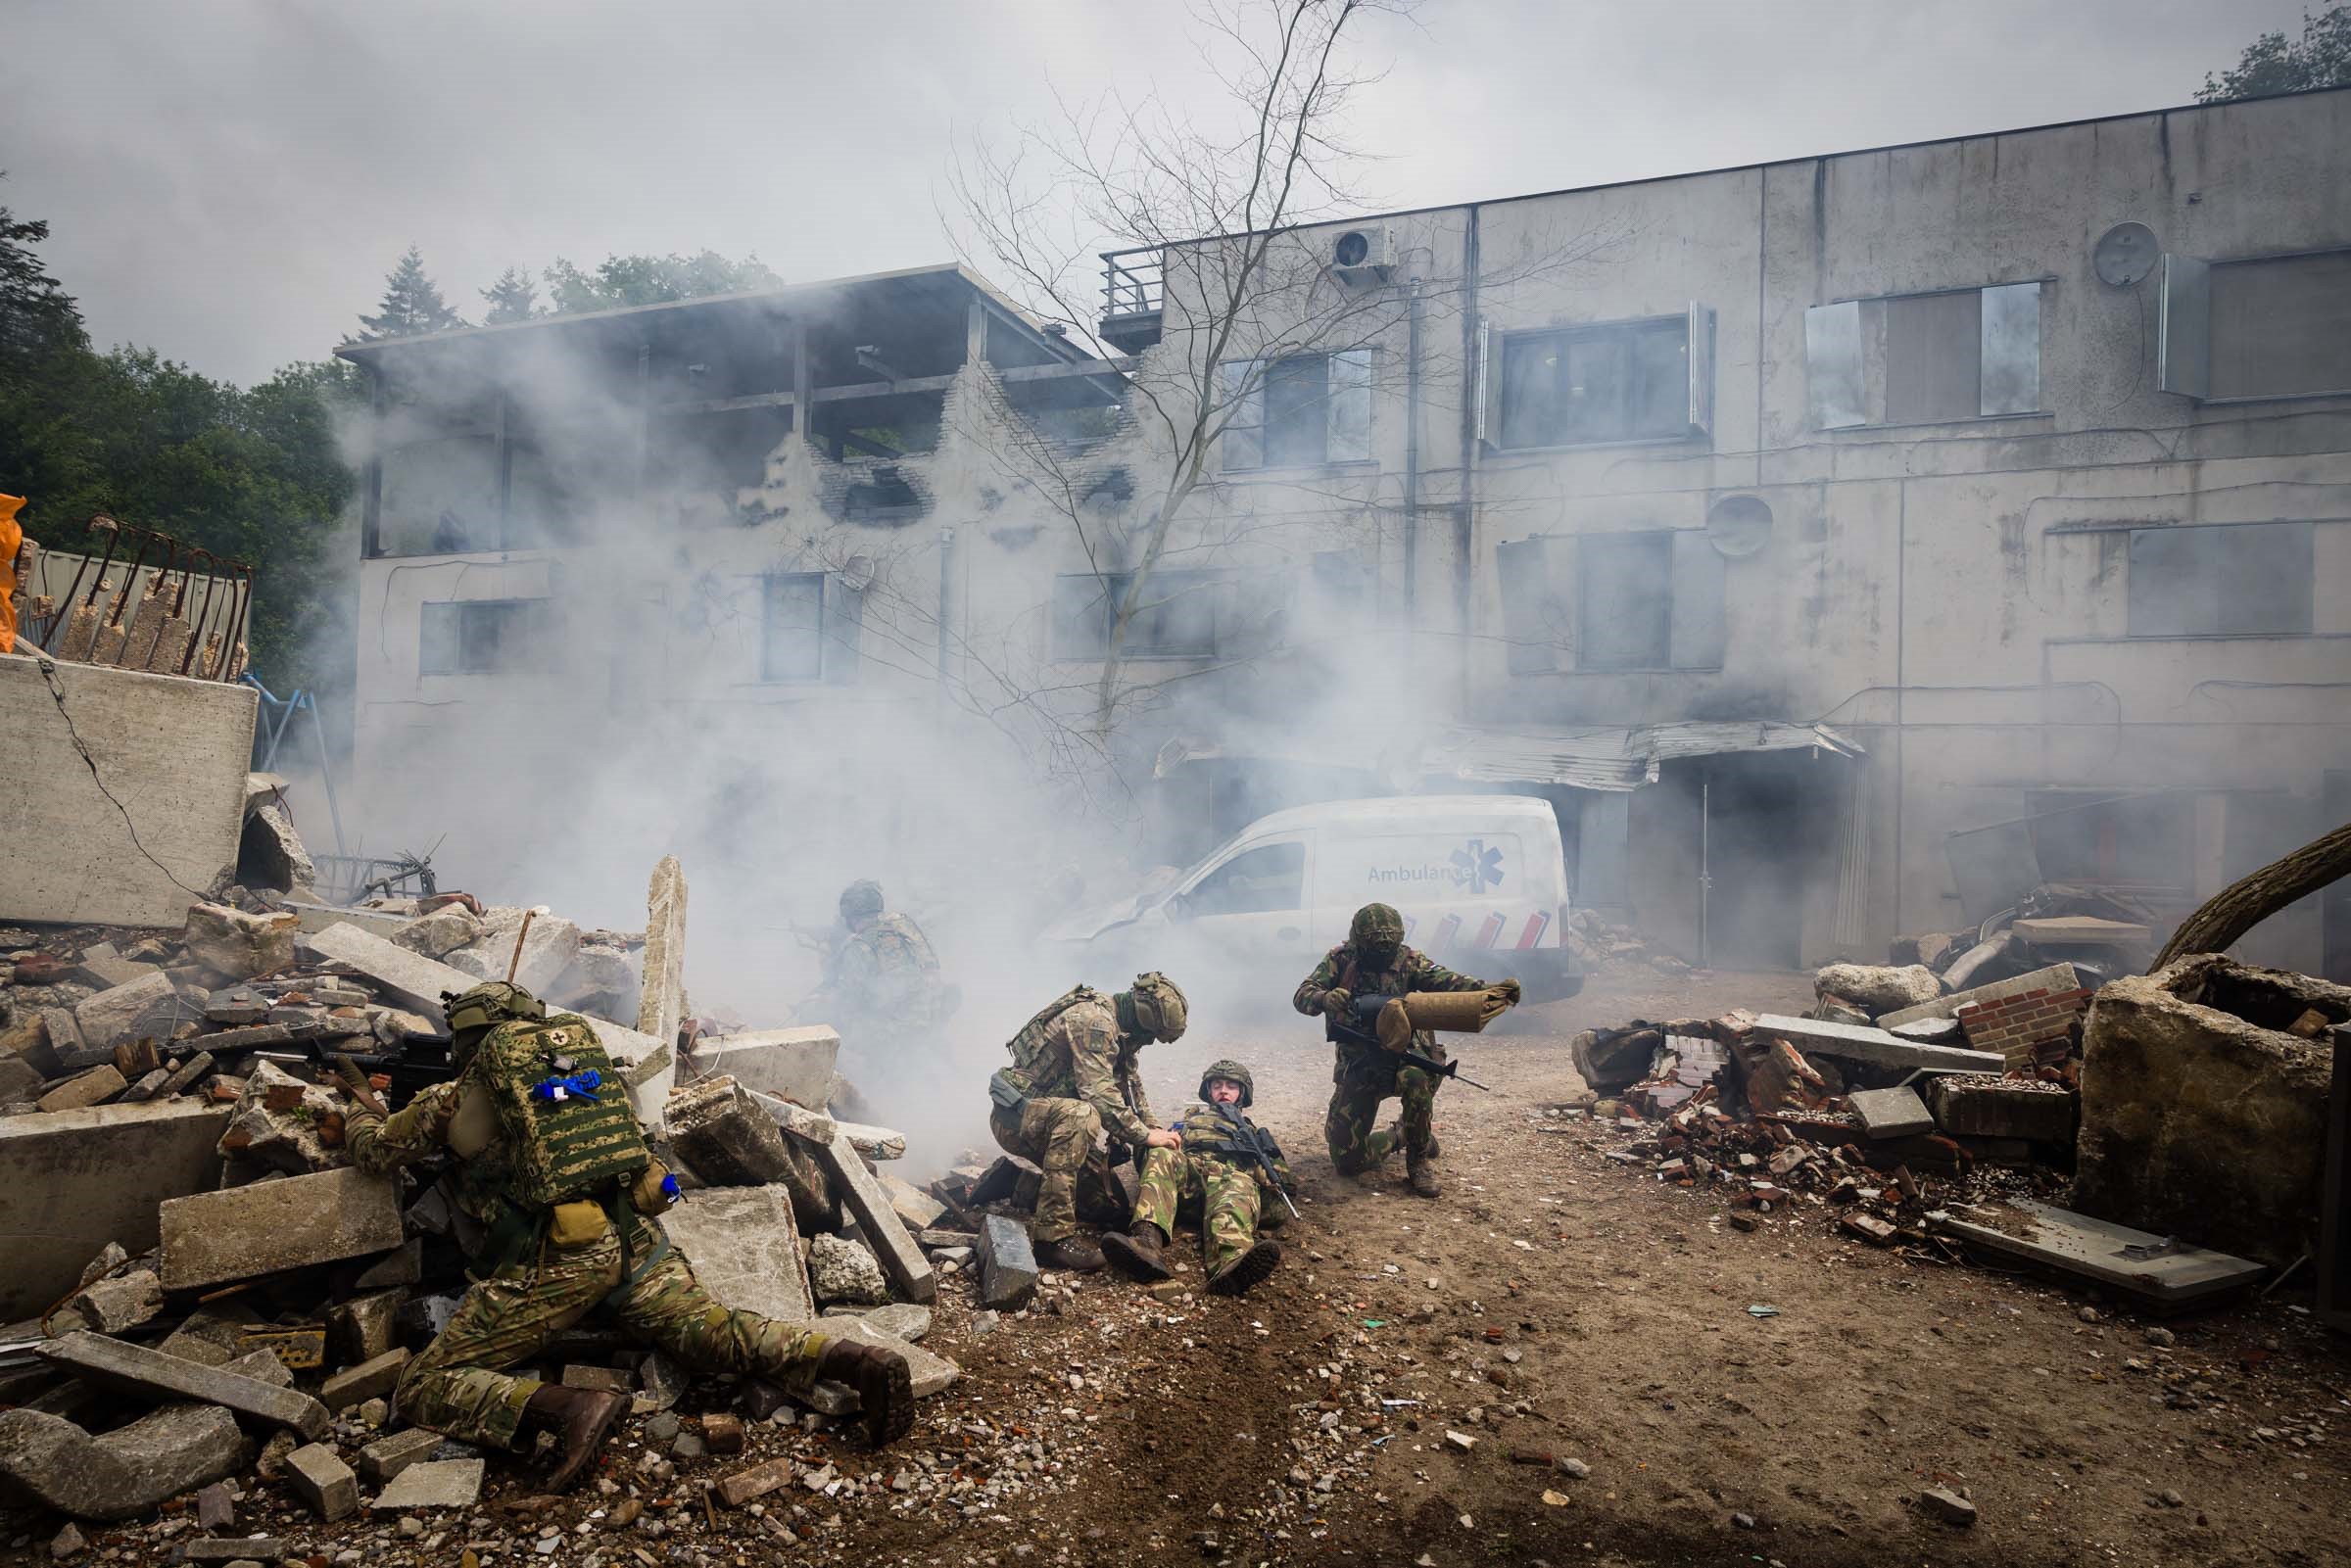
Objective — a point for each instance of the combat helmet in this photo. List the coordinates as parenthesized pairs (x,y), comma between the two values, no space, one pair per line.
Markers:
(861,900)
(1160,1009)
(1227,1067)
(474,1013)
(1376,929)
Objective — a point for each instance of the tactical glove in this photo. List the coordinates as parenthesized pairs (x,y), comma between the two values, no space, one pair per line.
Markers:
(1510,990)
(1336,1001)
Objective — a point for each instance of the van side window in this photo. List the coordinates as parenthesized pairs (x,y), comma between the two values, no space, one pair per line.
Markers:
(1268,878)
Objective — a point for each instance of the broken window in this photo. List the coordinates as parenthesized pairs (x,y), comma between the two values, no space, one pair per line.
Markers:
(1175,615)
(809,624)
(484,636)
(1299,412)
(1925,359)
(1255,882)
(1649,600)
(2270,327)
(2220,580)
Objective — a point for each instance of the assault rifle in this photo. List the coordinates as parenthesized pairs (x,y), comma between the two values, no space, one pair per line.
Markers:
(1363,1013)
(1252,1143)
(413,1062)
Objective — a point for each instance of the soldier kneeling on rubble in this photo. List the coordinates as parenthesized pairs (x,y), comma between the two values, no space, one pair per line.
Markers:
(554,1165)
(1073,1078)
(1225,1169)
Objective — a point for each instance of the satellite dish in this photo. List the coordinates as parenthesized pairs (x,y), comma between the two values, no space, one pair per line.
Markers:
(1738,526)
(2125,254)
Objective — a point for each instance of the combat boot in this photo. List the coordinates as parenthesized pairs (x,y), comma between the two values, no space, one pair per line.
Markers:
(1075,1254)
(1422,1176)
(884,1386)
(1137,1253)
(1235,1277)
(580,1418)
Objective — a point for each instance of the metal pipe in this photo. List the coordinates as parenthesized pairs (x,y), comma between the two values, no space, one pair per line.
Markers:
(1412,449)
(1706,869)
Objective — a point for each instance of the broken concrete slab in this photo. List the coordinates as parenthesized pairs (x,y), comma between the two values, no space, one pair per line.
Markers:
(932,1372)
(270,852)
(414,981)
(536,956)
(209,1335)
(724,1136)
(388,1457)
(2154,1270)
(238,1233)
(1010,1178)
(440,933)
(874,1143)
(115,1305)
(1007,1265)
(2003,1108)
(135,1368)
(234,1550)
(372,1379)
(124,1473)
(1890,1113)
(401,1265)
(2056,977)
(280,1123)
(1877,988)
(917,1209)
(796,1065)
(908,1320)
(84,1089)
(1874,1047)
(74,1180)
(2199,1121)
(909,1271)
(661,1004)
(745,1248)
(177,750)
(19,1080)
(321,1478)
(432,1484)
(237,944)
(840,1270)
(112,1014)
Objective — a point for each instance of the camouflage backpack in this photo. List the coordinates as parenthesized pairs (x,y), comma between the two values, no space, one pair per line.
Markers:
(563,1108)
(1027,1047)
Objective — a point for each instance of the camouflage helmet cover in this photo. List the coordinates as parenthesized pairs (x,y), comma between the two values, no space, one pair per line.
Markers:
(1160,1009)
(860,899)
(475,1012)
(1376,925)
(1227,1067)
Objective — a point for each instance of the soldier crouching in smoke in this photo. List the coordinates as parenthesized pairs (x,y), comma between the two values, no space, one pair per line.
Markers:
(1374,962)
(1225,1169)
(884,990)
(1073,1078)
(559,1178)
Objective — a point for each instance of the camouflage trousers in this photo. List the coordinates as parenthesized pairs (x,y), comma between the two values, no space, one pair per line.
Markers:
(459,1386)
(1227,1198)
(1059,1136)
(1357,1143)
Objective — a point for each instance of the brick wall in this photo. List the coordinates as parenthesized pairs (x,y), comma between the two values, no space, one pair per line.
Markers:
(2027,1028)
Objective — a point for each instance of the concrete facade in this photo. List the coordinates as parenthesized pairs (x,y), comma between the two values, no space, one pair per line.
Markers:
(1896,460)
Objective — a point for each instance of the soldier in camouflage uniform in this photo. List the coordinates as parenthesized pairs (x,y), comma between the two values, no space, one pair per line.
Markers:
(1075,1077)
(1374,962)
(1213,1173)
(884,975)
(540,1270)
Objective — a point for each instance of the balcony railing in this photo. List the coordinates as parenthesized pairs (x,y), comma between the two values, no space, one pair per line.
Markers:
(1133,293)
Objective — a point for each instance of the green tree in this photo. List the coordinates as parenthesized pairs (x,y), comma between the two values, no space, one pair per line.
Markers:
(412,304)
(2274,64)
(36,315)
(513,298)
(622,280)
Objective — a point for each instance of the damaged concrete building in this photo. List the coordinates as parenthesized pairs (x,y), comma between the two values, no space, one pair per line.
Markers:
(1845,546)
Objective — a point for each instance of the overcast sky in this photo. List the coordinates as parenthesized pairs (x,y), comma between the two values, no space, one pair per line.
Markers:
(230,182)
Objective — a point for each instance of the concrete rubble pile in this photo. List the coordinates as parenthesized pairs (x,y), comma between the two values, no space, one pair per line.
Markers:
(209,1307)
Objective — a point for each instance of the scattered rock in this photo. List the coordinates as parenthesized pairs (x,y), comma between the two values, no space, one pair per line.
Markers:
(1949,1506)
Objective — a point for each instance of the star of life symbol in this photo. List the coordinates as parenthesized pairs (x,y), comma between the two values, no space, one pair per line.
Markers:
(1477,868)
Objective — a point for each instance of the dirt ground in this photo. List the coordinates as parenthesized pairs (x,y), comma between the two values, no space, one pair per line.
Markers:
(1554,1307)
(1711,1436)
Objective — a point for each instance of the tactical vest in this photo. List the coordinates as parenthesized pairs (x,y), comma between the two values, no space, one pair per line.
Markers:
(563,1141)
(1032,1054)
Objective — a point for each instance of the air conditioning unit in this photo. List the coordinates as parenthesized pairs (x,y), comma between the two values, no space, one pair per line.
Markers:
(1363,258)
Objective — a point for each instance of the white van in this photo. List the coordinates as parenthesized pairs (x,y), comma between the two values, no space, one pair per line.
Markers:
(1479,880)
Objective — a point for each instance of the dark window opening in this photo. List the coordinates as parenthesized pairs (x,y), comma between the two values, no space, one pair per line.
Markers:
(2246,579)
(484,636)
(1298,412)
(1624,382)
(1625,615)
(883,495)
(1255,882)
(1174,617)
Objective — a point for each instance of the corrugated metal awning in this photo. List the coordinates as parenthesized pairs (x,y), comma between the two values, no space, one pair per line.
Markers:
(1584,757)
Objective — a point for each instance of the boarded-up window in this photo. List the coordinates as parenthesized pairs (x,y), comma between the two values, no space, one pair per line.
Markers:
(485,637)
(2282,327)
(1933,359)
(1925,359)
(2245,579)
